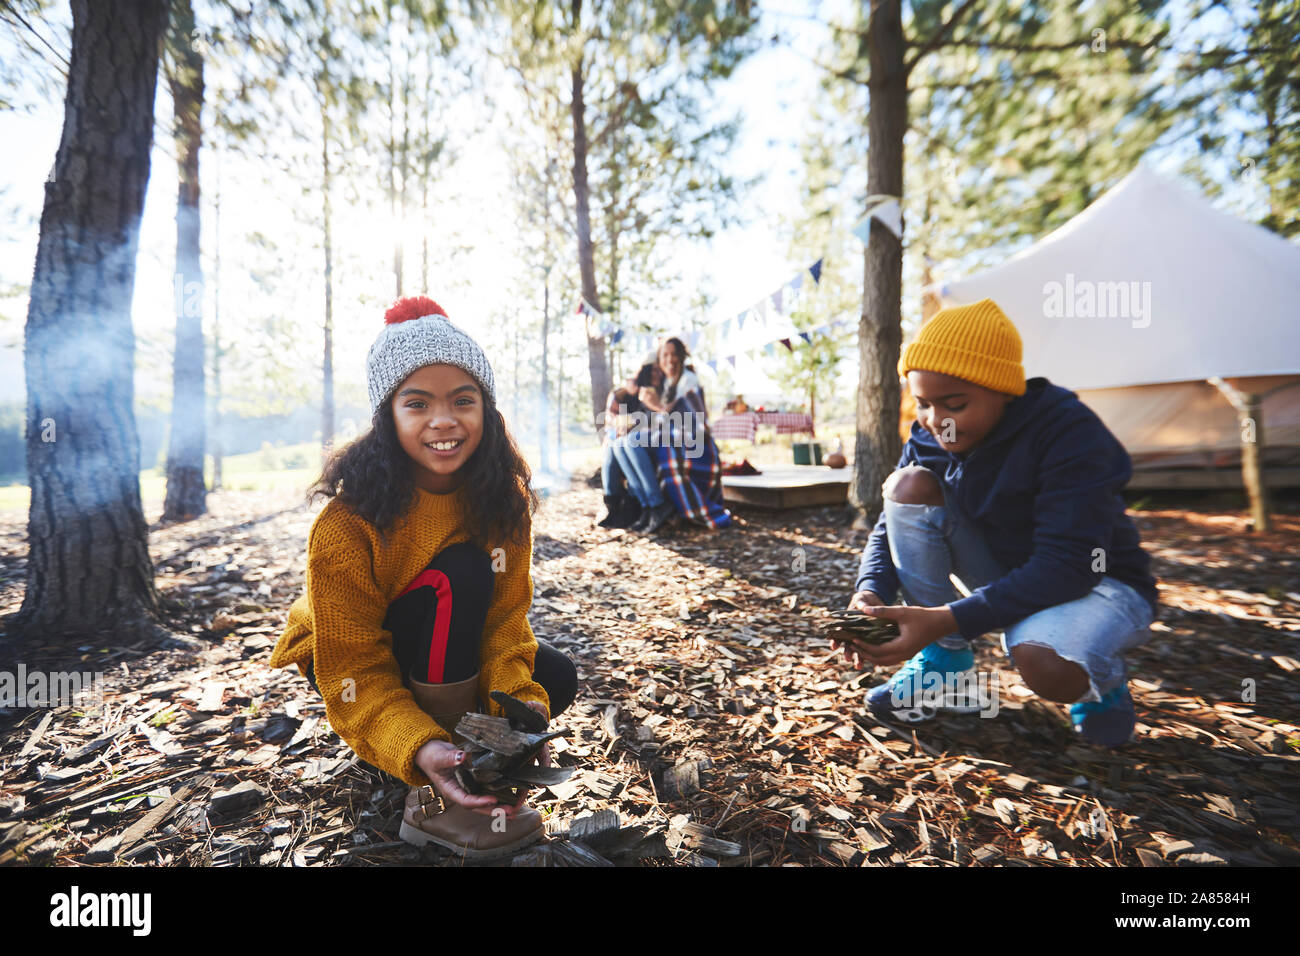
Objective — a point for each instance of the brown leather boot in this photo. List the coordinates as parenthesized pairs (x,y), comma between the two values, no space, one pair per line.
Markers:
(427,819)
(446,703)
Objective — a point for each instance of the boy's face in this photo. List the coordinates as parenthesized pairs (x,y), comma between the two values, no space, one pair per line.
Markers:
(438,411)
(958,413)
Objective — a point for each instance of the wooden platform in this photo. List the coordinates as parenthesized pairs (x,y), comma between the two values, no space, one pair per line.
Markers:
(788,486)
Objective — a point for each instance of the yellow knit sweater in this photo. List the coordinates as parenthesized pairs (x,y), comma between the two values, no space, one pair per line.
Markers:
(336,624)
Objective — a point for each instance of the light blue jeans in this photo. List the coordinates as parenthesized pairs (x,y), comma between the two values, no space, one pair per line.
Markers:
(637,464)
(929,542)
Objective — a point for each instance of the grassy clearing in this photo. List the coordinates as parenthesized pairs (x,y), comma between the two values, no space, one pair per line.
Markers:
(291,469)
(286,468)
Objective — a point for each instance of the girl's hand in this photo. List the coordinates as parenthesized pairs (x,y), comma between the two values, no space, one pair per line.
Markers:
(649,397)
(543,757)
(438,759)
(919,626)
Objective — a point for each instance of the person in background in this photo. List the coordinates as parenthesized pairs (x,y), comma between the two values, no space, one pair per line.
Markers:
(686,458)
(633,456)
(623,508)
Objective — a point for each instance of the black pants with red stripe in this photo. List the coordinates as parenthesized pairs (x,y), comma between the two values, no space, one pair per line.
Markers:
(437,627)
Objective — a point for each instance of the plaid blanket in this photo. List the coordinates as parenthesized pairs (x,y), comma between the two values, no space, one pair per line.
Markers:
(692,484)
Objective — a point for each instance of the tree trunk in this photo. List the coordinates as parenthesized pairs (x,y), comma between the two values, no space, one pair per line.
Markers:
(597,366)
(218,451)
(392,157)
(424,180)
(88,568)
(186,494)
(559,406)
(514,384)
(543,458)
(327,361)
(880,326)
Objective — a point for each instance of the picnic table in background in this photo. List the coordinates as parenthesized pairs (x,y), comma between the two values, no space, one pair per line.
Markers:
(745,425)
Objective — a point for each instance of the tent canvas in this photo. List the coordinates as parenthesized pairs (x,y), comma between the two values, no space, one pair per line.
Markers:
(1139,301)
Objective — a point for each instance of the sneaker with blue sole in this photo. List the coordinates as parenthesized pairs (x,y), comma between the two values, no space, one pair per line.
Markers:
(910,694)
(1108,722)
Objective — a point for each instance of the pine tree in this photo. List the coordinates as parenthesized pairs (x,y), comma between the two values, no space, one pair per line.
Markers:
(630,72)
(89,571)
(186,495)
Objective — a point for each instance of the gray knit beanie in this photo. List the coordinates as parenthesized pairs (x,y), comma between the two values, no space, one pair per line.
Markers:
(417,333)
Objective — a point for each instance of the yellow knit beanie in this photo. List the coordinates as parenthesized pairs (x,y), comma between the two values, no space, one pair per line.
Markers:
(975,342)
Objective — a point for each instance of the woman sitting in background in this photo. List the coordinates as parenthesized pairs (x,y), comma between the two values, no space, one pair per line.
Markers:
(686,457)
(624,506)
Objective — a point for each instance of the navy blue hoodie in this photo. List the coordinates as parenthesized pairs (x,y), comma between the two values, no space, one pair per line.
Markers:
(1044,489)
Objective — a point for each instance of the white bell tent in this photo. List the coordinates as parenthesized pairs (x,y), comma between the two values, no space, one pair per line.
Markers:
(1139,303)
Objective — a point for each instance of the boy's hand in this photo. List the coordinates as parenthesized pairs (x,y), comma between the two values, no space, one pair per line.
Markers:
(863,600)
(859,602)
(919,626)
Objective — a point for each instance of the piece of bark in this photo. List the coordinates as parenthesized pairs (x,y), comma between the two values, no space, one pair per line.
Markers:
(680,781)
(1149,857)
(238,799)
(37,734)
(596,830)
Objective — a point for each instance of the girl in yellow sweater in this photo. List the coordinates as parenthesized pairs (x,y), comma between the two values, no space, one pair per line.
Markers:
(418,581)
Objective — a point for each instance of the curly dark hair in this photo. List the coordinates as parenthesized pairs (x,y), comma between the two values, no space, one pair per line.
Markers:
(373,476)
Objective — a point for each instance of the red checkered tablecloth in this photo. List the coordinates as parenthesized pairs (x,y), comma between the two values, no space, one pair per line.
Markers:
(745,425)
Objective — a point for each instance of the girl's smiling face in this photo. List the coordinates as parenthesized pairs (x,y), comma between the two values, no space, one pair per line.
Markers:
(438,412)
(958,413)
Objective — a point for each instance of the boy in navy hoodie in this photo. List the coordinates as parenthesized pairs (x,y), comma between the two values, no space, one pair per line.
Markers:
(1014,488)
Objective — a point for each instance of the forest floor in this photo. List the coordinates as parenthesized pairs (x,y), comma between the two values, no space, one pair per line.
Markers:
(710,718)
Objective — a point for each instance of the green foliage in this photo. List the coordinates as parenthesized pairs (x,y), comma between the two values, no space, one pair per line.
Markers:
(1239,98)
(34,64)
(1020,114)
(653,153)
(1041,108)
(811,370)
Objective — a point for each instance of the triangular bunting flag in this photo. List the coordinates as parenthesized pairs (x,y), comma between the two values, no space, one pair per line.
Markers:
(816,270)
(806,336)
(732,360)
(863,231)
(776,299)
(769,349)
(788,346)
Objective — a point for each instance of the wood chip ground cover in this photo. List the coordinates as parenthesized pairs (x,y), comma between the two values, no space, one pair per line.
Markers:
(713,727)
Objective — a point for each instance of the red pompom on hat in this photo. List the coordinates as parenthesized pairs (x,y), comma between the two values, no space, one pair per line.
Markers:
(412,307)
